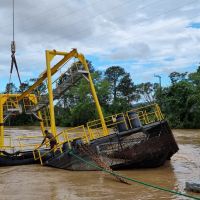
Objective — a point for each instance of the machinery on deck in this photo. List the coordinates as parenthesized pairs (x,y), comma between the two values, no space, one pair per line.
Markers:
(138,138)
(41,103)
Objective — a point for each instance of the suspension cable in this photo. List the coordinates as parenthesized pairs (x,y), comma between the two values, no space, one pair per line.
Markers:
(13,20)
(13,50)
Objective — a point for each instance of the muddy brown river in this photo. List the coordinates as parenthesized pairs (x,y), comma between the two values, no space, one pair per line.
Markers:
(35,182)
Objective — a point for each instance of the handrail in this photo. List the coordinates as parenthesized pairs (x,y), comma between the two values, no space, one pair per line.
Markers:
(10,140)
(22,145)
(66,139)
(146,114)
(11,102)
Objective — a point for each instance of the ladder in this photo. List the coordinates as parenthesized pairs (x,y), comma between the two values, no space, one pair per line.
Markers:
(63,83)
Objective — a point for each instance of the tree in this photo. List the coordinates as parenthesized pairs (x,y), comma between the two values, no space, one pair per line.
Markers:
(175,103)
(127,89)
(146,91)
(103,91)
(176,77)
(195,77)
(114,75)
(10,88)
(122,90)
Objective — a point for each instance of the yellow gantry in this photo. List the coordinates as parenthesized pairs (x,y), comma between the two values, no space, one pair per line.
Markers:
(9,102)
(50,71)
(47,75)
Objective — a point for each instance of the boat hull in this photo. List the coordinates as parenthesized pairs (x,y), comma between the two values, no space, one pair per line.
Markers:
(146,147)
(22,158)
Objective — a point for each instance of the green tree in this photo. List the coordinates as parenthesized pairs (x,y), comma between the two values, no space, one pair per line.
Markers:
(180,101)
(127,89)
(146,91)
(114,75)
(122,89)
(176,77)
(11,88)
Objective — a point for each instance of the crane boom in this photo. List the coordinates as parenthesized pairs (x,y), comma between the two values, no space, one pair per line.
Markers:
(54,69)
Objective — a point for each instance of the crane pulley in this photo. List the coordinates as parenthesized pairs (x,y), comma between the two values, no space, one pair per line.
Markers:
(13,61)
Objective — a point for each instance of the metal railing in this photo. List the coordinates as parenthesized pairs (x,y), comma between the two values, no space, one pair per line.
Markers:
(29,142)
(11,103)
(21,143)
(28,102)
(8,144)
(95,128)
(145,115)
(66,136)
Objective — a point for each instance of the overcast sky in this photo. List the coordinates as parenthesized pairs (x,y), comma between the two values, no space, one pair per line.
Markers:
(145,37)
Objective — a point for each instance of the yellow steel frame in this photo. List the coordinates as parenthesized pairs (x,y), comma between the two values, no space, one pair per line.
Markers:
(66,136)
(1,123)
(50,71)
(83,61)
(3,99)
(34,145)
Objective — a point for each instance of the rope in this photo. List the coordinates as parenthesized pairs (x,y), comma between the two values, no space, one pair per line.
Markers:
(133,180)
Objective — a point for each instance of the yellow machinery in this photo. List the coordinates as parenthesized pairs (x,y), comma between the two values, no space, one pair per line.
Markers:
(33,101)
(9,105)
(94,129)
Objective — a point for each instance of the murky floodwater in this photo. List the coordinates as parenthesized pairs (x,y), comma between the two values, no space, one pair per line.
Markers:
(34,182)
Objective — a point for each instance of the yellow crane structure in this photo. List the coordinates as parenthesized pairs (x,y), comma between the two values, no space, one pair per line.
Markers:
(138,137)
(33,101)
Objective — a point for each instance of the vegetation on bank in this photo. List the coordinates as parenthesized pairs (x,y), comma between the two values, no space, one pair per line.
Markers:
(180,102)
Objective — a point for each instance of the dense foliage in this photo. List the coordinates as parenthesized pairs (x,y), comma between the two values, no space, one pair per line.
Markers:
(180,102)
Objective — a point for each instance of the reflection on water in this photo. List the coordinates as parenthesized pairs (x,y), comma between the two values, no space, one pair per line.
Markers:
(37,182)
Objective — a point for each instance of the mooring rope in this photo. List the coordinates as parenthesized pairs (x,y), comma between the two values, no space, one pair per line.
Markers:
(131,179)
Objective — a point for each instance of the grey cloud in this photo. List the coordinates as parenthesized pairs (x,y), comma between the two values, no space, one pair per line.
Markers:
(110,29)
(131,52)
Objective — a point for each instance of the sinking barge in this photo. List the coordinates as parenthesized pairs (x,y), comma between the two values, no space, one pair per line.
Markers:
(128,147)
(138,138)
(144,147)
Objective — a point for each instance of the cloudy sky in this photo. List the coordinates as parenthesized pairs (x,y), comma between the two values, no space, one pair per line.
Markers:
(145,37)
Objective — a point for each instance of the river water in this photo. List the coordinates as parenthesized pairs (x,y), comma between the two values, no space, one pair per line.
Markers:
(35,182)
